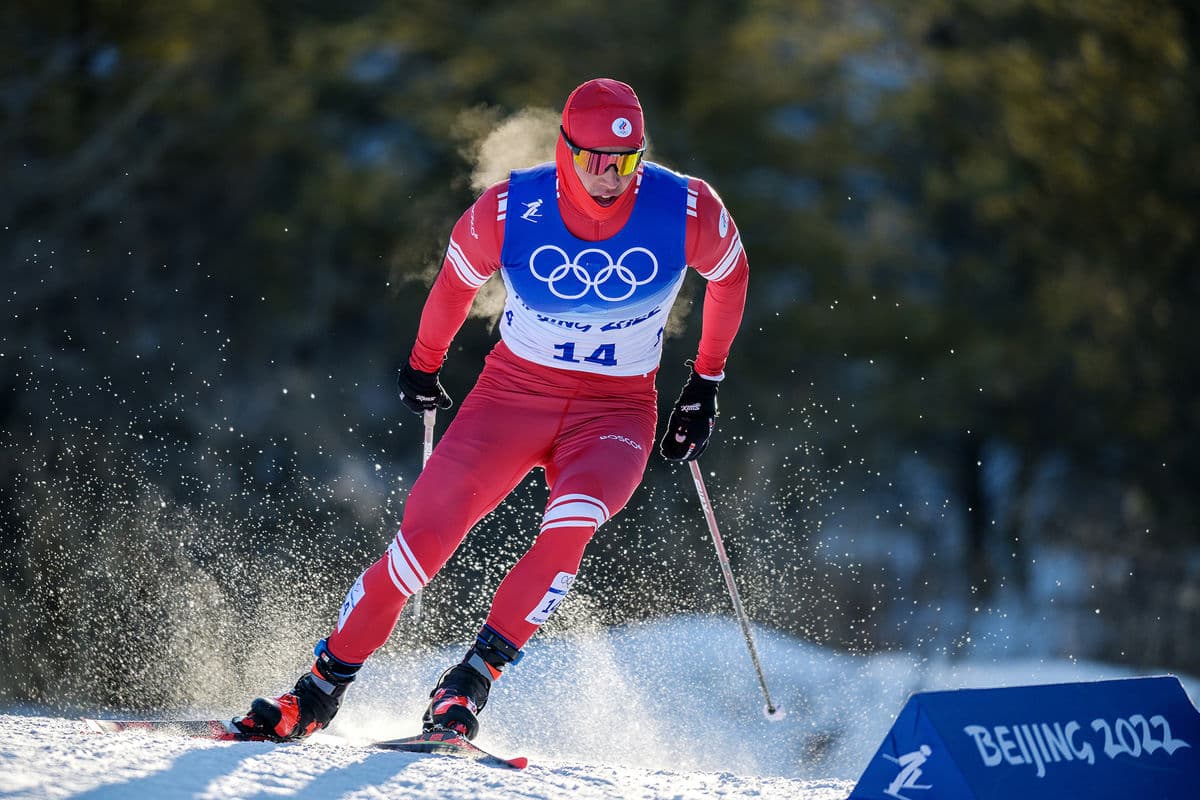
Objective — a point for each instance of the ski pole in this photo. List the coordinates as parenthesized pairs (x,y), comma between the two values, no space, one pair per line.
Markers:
(772,711)
(414,602)
(427,449)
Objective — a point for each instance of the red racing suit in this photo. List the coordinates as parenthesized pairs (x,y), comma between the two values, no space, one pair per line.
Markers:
(591,430)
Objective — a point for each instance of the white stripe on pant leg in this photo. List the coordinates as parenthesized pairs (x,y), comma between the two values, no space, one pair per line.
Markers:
(584,497)
(399,584)
(579,506)
(574,522)
(408,555)
(581,512)
(403,569)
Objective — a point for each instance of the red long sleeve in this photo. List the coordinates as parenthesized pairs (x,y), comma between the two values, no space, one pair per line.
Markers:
(714,249)
(471,257)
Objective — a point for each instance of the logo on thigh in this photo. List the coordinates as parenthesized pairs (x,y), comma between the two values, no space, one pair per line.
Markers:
(623,439)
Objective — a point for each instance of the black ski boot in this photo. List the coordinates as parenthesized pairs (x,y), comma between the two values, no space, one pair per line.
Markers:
(462,691)
(310,706)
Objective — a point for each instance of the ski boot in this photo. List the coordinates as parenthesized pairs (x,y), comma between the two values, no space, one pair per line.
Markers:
(462,691)
(308,707)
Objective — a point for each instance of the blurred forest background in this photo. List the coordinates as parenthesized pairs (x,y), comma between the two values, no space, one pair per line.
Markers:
(961,418)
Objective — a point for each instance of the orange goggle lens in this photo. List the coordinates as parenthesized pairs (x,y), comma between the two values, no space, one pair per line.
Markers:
(597,163)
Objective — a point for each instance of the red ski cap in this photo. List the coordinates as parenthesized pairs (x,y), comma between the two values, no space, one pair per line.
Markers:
(604,113)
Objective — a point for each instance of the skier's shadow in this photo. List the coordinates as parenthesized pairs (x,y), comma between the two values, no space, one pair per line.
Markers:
(194,772)
(368,774)
(188,775)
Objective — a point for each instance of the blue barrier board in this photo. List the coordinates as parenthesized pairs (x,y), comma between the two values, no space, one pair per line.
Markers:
(1130,738)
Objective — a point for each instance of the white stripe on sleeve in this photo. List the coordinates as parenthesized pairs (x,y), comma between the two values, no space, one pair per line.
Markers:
(727,262)
(462,267)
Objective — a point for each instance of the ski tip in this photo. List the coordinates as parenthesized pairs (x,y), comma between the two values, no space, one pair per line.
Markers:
(520,762)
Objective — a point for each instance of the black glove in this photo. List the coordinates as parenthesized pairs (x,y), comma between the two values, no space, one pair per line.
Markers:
(692,420)
(421,391)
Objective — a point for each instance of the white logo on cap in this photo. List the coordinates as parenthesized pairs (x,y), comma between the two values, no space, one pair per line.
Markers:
(622,127)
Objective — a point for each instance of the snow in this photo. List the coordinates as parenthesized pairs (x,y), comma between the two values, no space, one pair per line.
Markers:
(665,709)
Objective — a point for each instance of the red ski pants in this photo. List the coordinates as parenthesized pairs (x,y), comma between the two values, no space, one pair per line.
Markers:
(591,433)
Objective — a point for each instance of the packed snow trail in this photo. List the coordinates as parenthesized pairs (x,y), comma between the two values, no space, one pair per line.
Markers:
(54,758)
(669,709)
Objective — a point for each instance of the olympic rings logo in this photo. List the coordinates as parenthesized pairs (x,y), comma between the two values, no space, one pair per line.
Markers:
(614,281)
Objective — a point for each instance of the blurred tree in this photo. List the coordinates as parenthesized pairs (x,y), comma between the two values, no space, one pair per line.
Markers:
(1056,185)
(971,228)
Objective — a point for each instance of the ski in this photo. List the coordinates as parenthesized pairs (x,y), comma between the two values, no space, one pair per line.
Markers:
(436,741)
(442,741)
(219,729)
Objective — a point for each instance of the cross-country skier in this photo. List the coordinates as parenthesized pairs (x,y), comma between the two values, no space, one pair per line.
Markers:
(593,250)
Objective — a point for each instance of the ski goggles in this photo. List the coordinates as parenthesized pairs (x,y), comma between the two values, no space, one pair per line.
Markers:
(596,162)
